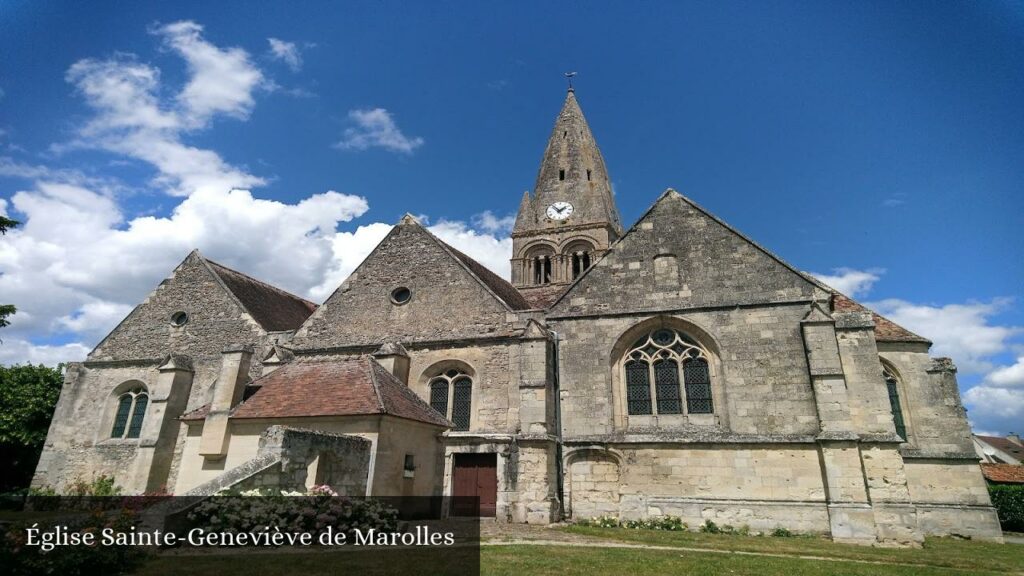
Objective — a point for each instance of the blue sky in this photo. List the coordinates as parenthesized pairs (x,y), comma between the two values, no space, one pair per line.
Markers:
(880,145)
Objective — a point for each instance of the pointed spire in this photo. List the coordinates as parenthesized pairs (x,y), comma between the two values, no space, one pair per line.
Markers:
(572,171)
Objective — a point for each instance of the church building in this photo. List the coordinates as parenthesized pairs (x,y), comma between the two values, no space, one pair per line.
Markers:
(674,368)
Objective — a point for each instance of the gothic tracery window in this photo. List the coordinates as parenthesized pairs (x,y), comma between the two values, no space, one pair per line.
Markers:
(131,410)
(664,368)
(892,384)
(451,395)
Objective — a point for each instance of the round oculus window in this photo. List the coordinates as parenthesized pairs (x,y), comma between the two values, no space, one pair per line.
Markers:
(400,295)
(179,318)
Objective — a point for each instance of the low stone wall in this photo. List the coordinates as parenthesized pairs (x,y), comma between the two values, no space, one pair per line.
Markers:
(293,459)
(758,515)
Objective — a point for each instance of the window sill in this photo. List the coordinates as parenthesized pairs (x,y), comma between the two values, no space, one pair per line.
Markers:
(119,442)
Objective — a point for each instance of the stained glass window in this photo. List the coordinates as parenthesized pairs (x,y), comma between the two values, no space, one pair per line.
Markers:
(138,413)
(894,402)
(439,396)
(124,410)
(660,355)
(131,410)
(698,386)
(462,403)
(666,383)
(638,388)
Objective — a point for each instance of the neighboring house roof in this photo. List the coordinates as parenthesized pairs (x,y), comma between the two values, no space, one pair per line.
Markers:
(343,387)
(273,308)
(1005,445)
(1003,473)
(885,330)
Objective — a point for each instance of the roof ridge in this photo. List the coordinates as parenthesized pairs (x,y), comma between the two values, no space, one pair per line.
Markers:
(258,281)
(370,361)
(465,260)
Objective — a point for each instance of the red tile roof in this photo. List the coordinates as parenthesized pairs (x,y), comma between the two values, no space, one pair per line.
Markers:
(343,387)
(885,330)
(273,308)
(1007,473)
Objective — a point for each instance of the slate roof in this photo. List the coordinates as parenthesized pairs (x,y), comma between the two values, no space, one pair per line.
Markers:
(885,330)
(342,387)
(501,287)
(273,308)
(1004,444)
(1004,473)
(497,284)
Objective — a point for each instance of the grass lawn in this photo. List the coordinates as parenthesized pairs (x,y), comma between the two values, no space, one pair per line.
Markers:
(939,556)
(940,552)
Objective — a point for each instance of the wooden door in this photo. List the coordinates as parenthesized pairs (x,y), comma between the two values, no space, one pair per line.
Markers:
(475,485)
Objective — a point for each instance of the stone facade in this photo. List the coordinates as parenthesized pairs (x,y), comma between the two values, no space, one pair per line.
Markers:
(676,368)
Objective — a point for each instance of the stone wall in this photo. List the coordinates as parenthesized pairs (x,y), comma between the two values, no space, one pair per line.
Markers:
(445,302)
(716,267)
(294,460)
(762,386)
(934,413)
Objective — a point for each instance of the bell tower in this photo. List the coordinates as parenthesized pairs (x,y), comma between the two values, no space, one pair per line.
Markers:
(570,220)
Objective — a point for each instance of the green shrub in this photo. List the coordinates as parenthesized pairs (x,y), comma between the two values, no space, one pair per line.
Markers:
(710,527)
(782,533)
(102,485)
(255,509)
(1008,500)
(669,523)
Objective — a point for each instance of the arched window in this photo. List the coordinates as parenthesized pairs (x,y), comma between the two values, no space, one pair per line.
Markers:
(579,255)
(451,395)
(894,401)
(131,410)
(662,365)
(539,265)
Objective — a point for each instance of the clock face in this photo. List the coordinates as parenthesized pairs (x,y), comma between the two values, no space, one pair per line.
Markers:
(559,210)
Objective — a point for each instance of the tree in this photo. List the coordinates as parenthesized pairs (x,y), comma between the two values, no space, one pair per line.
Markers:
(6,309)
(28,396)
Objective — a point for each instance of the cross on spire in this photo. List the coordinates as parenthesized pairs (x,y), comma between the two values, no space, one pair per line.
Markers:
(568,77)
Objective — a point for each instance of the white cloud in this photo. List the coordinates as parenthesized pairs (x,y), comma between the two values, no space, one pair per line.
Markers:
(963,332)
(998,408)
(486,248)
(999,400)
(851,282)
(488,222)
(1007,376)
(287,52)
(376,128)
(16,351)
(222,79)
(131,120)
(79,264)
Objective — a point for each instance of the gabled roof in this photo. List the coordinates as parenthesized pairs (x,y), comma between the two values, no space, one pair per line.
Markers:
(494,283)
(273,308)
(501,287)
(350,386)
(1003,473)
(667,196)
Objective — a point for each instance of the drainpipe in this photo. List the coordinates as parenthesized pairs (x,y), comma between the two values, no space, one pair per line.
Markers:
(559,473)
